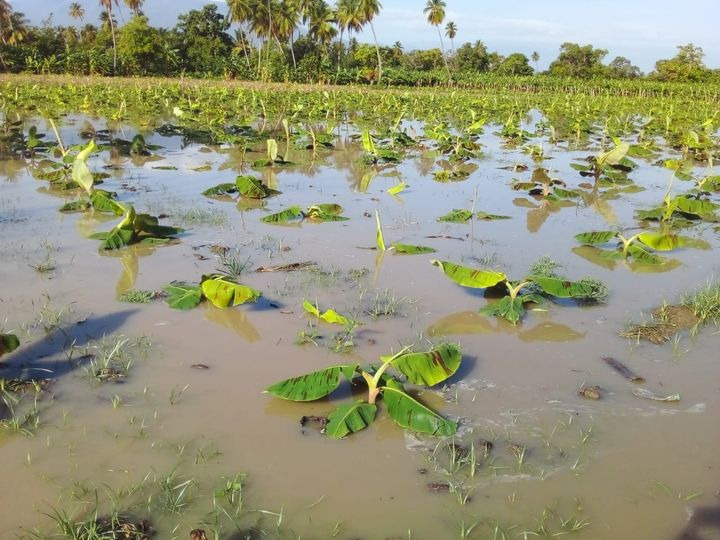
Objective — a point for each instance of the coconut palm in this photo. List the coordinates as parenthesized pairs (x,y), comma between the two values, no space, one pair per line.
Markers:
(76,11)
(107,5)
(320,23)
(343,15)
(435,11)
(12,27)
(135,6)
(241,11)
(535,58)
(451,31)
(368,9)
(287,19)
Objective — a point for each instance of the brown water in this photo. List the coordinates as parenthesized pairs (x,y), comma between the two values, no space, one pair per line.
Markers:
(622,467)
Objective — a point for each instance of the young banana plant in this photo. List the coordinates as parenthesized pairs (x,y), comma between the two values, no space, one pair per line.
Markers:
(533,288)
(419,368)
(639,247)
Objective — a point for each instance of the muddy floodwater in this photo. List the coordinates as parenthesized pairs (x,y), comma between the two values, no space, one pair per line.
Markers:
(179,411)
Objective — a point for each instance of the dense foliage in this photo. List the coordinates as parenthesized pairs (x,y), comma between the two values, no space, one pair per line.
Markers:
(289,40)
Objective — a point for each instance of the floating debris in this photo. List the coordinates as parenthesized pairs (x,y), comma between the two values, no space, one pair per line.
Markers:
(623,370)
(292,267)
(648,394)
(590,392)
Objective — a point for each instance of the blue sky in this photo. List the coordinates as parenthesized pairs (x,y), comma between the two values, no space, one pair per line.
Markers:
(641,30)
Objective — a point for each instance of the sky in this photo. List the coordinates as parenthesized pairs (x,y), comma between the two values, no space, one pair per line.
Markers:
(641,30)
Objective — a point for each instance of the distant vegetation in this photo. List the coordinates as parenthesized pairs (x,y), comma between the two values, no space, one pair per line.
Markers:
(294,41)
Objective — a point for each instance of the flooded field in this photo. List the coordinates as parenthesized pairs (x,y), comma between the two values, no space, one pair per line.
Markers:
(556,398)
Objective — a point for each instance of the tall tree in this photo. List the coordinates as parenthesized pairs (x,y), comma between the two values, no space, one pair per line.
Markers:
(320,23)
(348,16)
(435,11)
(135,6)
(107,5)
(240,12)
(287,18)
(451,31)
(76,11)
(12,27)
(368,9)
(535,58)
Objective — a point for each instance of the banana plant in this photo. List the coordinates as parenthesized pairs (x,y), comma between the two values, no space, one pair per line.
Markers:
(272,156)
(375,154)
(533,288)
(639,247)
(219,289)
(316,213)
(542,186)
(419,368)
(403,249)
(610,166)
(135,229)
(246,186)
(682,209)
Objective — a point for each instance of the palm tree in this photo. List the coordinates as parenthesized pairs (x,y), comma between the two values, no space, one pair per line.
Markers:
(535,58)
(435,11)
(286,20)
(76,11)
(451,32)
(320,23)
(241,11)
(368,9)
(12,27)
(88,33)
(135,6)
(342,16)
(107,6)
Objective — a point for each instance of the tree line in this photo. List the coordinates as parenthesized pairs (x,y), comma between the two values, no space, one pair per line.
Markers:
(291,40)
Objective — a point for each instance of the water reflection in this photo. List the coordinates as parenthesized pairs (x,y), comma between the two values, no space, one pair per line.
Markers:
(234,319)
(474,323)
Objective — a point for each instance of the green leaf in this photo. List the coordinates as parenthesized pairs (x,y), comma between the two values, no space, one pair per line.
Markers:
(220,190)
(409,413)
(696,207)
(660,241)
(470,277)
(367,143)
(272,149)
(508,308)
(399,188)
(75,206)
(325,212)
(407,249)
(431,367)
(103,201)
(379,234)
(456,216)
(81,175)
(348,419)
(311,386)
(115,239)
(614,156)
(222,292)
(490,217)
(561,288)
(8,343)
(182,296)
(595,238)
(330,316)
(284,216)
(644,256)
(253,188)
